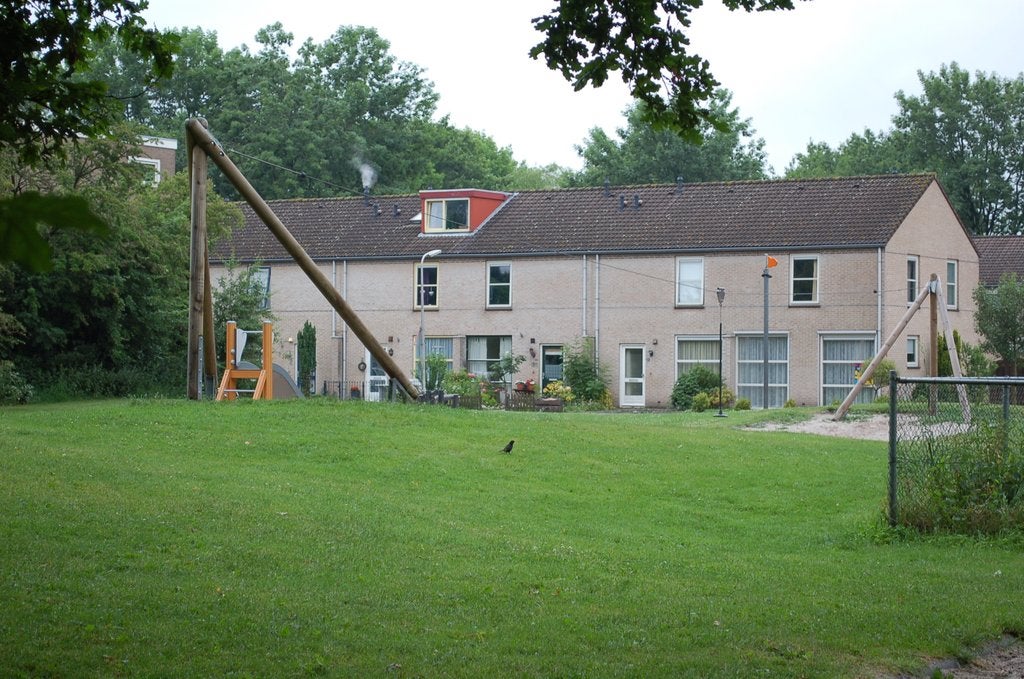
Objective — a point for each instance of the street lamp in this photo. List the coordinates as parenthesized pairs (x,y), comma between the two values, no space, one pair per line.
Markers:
(721,300)
(422,346)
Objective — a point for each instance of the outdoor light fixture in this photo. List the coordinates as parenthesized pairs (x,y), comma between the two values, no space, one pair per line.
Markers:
(721,300)
(422,339)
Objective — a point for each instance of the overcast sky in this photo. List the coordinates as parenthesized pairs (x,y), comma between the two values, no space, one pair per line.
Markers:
(820,72)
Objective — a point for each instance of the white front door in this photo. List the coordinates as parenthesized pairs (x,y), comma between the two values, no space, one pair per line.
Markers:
(377,380)
(631,380)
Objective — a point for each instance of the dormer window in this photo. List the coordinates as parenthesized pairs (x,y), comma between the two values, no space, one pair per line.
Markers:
(450,214)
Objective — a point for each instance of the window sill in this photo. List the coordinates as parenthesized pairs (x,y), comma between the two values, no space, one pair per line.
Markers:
(689,306)
(498,308)
(804,305)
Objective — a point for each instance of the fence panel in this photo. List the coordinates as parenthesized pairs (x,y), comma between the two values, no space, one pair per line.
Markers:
(956,454)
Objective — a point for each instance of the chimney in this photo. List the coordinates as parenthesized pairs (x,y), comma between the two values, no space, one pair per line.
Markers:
(366,196)
(622,202)
(679,185)
(607,188)
(636,201)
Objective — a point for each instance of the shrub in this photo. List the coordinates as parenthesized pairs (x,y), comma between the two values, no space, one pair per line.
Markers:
(13,387)
(559,389)
(460,382)
(701,402)
(971,483)
(727,397)
(582,374)
(691,383)
(743,404)
(437,368)
(789,404)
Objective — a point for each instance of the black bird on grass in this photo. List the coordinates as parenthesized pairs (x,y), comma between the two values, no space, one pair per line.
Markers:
(508,447)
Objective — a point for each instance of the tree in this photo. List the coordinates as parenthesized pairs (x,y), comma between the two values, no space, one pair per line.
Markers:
(43,105)
(586,40)
(999,319)
(306,346)
(644,154)
(861,154)
(970,132)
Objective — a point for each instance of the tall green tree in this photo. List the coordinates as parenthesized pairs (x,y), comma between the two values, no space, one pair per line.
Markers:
(643,154)
(969,131)
(43,105)
(645,44)
(999,319)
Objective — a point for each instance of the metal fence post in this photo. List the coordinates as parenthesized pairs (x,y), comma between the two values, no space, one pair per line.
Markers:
(894,387)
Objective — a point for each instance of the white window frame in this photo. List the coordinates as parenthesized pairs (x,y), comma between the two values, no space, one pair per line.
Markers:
(815,279)
(742,388)
(492,285)
(913,351)
(417,283)
(436,217)
(913,282)
(684,365)
(951,283)
(866,396)
(481,365)
(685,297)
(443,345)
(263,273)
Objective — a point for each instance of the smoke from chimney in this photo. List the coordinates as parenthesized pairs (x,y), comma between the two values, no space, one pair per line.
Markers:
(366,172)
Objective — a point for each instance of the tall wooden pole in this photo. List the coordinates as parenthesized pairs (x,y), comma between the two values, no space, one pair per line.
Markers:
(197,262)
(933,344)
(209,145)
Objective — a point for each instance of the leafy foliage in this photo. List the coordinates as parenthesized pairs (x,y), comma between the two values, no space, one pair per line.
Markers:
(999,319)
(694,381)
(969,131)
(588,40)
(437,368)
(306,346)
(581,372)
(44,106)
(971,483)
(644,154)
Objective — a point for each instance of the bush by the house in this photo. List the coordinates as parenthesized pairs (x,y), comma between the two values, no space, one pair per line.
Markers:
(559,389)
(742,404)
(13,387)
(698,379)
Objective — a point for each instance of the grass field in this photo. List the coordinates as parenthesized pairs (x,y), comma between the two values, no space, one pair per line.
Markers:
(171,538)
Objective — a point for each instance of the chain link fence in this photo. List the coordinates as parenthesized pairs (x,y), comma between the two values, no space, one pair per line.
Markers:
(956,454)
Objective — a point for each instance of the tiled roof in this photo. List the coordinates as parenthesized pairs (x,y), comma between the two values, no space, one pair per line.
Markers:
(999,255)
(755,215)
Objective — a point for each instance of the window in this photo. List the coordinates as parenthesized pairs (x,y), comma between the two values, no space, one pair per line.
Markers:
(694,351)
(804,284)
(448,215)
(483,351)
(426,287)
(911,279)
(912,344)
(263,276)
(750,369)
(841,360)
(689,281)
(443,346)
(499,285)
(951,302)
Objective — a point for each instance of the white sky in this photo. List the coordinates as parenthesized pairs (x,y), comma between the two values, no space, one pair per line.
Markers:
(820,72)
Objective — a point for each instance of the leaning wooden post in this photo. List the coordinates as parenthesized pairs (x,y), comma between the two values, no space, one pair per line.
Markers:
(933,344)
(197,262)
(301,257)
(865,376)
(209,335)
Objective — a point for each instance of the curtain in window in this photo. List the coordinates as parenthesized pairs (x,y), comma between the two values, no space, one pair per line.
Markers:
(692,352)
(750,364)
(484,350)
(840,359)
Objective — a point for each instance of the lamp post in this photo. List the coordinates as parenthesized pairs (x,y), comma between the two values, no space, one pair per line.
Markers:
(422,343)
(721,300)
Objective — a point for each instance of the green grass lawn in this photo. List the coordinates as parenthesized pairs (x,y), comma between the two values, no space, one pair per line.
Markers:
(171,538)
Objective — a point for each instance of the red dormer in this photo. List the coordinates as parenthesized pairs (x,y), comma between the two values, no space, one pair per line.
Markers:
(458,210)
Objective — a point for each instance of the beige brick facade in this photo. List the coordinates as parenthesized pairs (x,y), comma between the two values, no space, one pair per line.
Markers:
(630,300)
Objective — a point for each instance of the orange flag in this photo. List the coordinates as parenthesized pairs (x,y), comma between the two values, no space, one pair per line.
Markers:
(771,262)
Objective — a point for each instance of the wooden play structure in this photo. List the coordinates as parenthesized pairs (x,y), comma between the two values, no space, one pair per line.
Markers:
(200,319)
(234,369)
(938,308)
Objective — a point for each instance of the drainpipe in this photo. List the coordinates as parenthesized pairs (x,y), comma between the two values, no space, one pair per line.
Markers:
(584,298)
(878,295)
(597,309)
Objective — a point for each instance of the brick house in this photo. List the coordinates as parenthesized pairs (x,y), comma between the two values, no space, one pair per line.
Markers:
(635,269)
